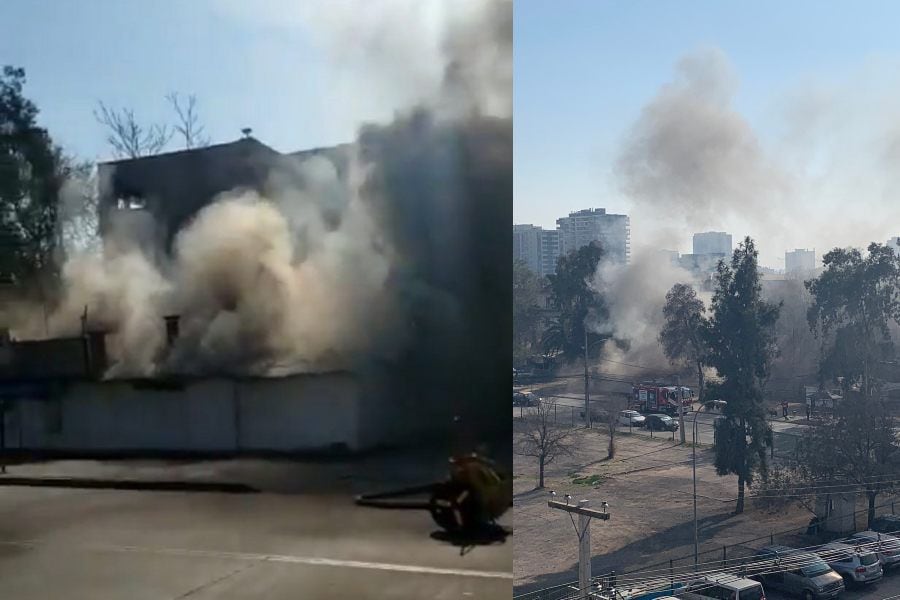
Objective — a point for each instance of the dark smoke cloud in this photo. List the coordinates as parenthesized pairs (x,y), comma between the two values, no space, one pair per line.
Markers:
(691,156)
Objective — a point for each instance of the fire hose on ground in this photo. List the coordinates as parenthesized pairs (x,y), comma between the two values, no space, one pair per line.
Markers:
(472,498)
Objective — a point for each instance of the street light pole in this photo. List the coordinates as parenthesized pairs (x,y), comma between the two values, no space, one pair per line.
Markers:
(694,469)
(587,390)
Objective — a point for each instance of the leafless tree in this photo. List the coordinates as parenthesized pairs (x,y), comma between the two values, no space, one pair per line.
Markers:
(127,137)
(543,438)
(188,126)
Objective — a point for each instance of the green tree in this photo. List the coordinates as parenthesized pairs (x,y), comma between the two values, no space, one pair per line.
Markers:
(576,302)
(858,448)
(683,336)
(526,312)
(32,171)
(741,343)
(854,301)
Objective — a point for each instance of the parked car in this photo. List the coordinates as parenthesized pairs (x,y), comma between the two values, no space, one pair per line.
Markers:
(660,423)
(715,405)
(810,578)
(524,399)
(724,586)
(857,566)
(886,524)
(886,546)
(631,418)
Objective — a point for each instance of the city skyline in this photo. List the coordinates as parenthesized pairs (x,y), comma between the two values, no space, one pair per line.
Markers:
(798,134)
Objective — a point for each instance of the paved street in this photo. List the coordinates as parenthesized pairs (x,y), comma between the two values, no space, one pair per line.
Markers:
(569,412)
(110,544)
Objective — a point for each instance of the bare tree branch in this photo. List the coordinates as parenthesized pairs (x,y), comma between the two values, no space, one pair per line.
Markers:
(188,126)
(543,439)
(127,137)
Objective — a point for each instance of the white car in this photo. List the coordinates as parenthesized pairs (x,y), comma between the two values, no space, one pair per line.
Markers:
(887,547)
(631,418)
(856,564)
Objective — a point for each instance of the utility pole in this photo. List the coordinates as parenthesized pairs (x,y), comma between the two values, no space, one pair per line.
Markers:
(587,385)
(583,531)
(3,436)
(694,469)
(680,401)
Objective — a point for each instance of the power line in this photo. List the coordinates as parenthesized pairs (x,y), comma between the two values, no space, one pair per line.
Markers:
(668,572)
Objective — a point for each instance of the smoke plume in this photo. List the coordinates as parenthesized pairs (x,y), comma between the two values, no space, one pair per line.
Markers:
(401,261)
(692,157)
(821,173)
(635,295)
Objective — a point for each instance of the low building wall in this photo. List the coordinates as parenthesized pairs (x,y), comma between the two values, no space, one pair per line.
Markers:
(290,414)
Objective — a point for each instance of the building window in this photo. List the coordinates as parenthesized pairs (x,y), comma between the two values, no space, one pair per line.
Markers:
(131,203)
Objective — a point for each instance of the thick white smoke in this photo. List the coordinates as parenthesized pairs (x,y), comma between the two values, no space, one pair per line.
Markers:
(821,173)
(397,257)
(635,295)
(692,159)
(260,284)
(389,55)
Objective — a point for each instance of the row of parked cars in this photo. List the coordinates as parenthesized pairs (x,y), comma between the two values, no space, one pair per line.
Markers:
(653,422)
(817,573)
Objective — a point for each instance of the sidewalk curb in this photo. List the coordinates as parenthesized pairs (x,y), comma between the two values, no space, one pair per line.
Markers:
(128,484)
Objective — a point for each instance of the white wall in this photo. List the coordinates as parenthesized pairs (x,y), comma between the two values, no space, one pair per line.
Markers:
(298,413)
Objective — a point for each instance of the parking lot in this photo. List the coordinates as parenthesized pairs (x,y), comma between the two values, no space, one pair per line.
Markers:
(888,587)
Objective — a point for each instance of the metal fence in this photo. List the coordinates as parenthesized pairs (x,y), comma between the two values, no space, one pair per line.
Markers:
(669,572)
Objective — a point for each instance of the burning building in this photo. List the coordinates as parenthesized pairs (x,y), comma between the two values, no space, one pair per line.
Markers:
(167,190)
(355,295)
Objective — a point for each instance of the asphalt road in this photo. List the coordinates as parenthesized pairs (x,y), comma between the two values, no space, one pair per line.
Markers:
(108,544)
(569,412)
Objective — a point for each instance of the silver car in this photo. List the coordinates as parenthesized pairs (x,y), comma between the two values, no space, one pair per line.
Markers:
(801,574)
(631,418)
(887,547)
(855,564)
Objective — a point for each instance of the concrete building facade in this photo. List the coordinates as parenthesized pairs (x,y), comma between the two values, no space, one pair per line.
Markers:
(701,264)
(149,199)
(536,247)
(712,242)
(894,243)
(799,261)
(549,251)
(582,227)
(527,246)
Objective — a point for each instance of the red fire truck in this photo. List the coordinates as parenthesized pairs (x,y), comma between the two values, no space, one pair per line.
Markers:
(655,398)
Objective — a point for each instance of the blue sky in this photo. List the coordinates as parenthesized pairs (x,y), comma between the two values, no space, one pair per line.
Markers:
(584,69)
(250,64)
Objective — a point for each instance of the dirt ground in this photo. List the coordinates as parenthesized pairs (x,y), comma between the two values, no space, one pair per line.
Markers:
(649,489)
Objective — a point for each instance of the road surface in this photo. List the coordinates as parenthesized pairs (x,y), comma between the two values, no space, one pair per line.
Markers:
(109,544)
(569,411)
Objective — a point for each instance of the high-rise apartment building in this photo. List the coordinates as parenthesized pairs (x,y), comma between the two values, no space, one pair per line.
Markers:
(894,244)
(537,247)
(527,245)
(712,242)
(800,261)
(595,225)
(549,251)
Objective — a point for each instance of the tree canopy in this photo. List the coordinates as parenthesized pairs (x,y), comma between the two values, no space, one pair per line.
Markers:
(741,349)
(526,311)
(32,171)
(578,304)
(858,448)
(854,301)
(684,336)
